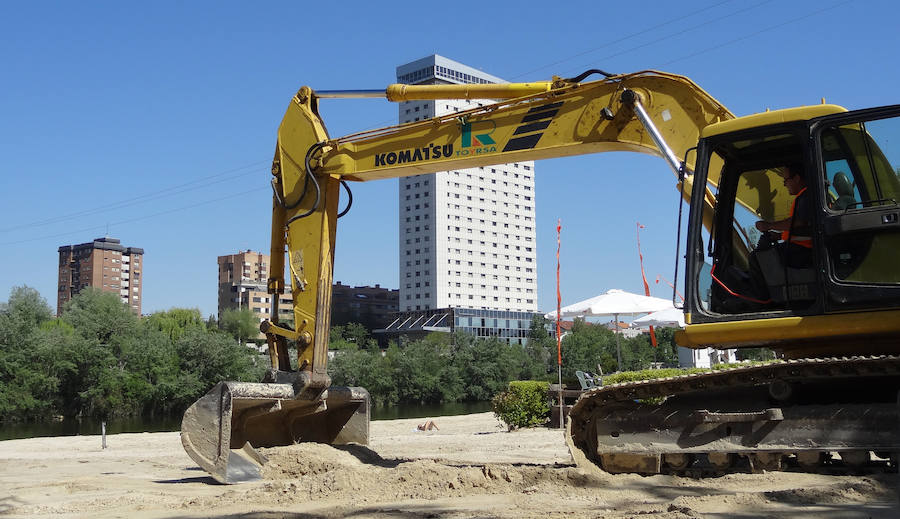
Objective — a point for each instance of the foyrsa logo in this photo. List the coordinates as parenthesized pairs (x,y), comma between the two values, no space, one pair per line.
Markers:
(476,138)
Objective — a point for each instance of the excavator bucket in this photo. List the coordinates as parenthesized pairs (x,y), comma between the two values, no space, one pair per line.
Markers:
(222,429)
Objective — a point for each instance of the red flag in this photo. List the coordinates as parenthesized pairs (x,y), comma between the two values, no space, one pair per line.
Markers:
(658,277)
(558,296)
(644,278)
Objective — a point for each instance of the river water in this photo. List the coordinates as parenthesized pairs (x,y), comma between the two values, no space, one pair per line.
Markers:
(173,423)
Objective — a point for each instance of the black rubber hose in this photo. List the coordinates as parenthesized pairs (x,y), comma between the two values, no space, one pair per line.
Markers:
(349,199)
(315,183)
(586,73)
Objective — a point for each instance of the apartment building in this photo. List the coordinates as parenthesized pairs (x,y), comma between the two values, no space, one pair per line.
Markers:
(104,264)
(243,284)
(467,236)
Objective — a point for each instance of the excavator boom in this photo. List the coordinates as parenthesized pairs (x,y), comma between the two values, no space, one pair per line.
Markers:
(568,119)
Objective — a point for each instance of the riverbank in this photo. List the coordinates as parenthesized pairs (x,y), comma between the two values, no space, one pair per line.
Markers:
(470,467)
(15,431)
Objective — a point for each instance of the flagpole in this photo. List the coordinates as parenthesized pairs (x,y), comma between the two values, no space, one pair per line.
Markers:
(558,338)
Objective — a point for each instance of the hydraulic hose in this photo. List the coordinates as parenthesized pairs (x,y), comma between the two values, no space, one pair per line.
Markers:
(586,73)
(315,183)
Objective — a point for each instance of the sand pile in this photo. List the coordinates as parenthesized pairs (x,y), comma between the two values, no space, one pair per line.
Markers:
(316,471)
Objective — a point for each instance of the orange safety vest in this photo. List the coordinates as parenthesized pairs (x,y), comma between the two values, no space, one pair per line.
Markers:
(803,241)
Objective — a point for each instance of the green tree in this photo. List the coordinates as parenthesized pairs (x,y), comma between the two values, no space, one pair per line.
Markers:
(486,365)
(112,363)
(637,352)
(540,351)
(214,357)
(359,335)
(241,324)
(337,341)
(174,322)
(586,347)
(437,368)
(156,380)
(27,381)
(351,336)
(27,309)
(96,381)
(100,315)
(84,363)
(667,351)
(367,369)
(426,372)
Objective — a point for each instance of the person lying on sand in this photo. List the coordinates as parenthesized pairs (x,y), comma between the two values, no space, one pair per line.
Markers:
(427,426)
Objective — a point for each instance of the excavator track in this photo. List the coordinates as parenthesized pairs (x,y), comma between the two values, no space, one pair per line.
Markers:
(813,415)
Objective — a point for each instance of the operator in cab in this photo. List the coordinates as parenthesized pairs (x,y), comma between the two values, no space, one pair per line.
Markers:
(795,231)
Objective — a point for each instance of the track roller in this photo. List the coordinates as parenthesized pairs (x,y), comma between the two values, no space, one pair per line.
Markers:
(721,460)
(810,459)
(764,461)
(678,461)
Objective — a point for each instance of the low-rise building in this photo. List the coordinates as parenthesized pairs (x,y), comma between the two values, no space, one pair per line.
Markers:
(506,325)
(372,307)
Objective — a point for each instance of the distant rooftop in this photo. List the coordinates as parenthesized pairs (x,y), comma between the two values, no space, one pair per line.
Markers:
(437,67)
(104,243)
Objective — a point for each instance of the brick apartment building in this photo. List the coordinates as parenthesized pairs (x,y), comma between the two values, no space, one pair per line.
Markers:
(104,264)
(242,284)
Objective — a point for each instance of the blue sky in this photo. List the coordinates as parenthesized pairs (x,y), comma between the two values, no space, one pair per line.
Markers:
(156,122)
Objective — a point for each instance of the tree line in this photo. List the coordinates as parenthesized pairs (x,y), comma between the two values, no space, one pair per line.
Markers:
(100,360)
(455,368)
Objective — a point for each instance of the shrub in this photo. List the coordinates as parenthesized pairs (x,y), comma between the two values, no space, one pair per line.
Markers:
(523,404)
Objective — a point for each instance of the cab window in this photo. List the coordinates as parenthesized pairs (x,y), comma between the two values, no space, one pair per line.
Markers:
(861,163)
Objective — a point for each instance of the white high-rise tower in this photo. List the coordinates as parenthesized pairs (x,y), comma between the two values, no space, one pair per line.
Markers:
(467,236)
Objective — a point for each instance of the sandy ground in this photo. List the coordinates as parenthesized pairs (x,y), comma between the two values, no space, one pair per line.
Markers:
(471,467)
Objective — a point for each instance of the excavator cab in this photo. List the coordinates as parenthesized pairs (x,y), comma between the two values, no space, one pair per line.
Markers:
(850,162)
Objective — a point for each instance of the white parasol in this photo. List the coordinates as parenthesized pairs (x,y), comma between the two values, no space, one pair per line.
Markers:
(614,302)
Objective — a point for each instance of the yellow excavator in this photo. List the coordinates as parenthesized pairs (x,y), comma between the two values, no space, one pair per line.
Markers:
(833,317)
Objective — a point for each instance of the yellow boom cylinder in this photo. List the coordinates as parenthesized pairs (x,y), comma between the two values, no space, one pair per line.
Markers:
(398,92)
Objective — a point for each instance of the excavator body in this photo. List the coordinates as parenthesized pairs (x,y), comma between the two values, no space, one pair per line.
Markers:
(835,316)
